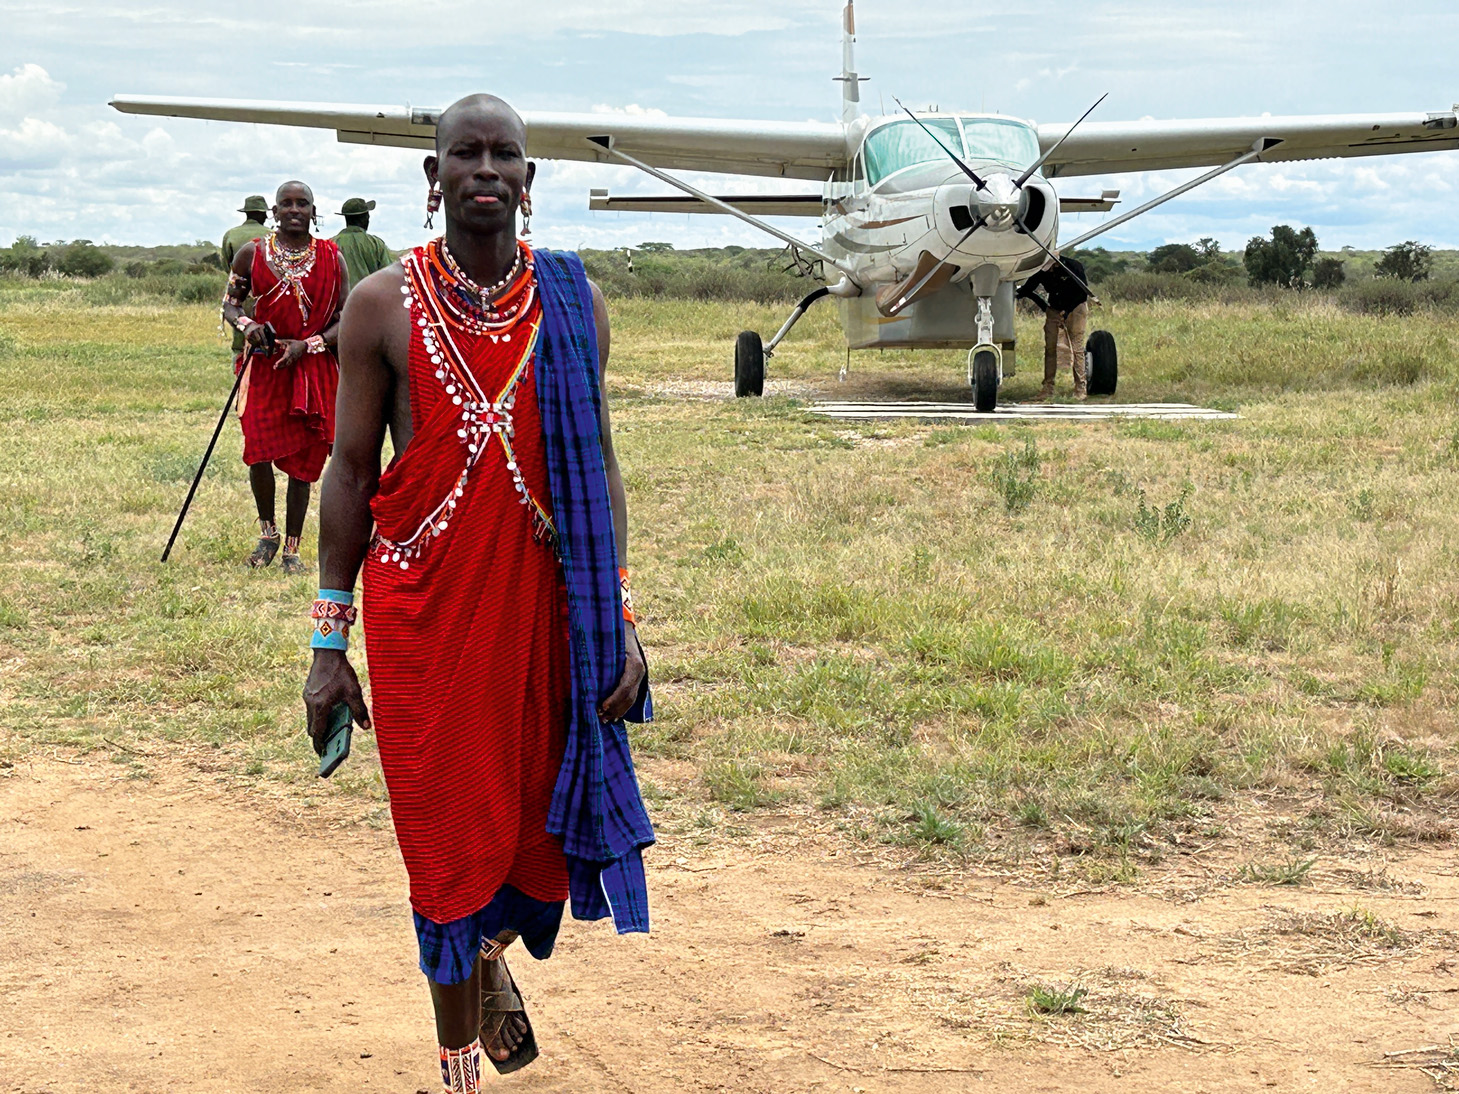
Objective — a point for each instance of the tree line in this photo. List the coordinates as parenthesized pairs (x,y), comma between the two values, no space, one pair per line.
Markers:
(1286,259)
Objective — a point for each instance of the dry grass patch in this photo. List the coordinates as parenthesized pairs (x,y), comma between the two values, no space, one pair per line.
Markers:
(1311,943)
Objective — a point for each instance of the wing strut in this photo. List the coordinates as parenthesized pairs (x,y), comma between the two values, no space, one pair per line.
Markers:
(606,143)
(1262,144)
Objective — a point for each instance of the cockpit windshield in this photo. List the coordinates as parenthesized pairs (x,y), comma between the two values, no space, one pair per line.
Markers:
(902,144)
(1008,142)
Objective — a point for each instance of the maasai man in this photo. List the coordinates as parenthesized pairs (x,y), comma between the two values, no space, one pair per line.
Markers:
(286,401)
(363,253)
(502,651)
(255,212)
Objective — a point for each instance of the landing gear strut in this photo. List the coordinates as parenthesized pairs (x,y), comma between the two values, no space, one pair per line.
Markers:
(985,360)
(751,355)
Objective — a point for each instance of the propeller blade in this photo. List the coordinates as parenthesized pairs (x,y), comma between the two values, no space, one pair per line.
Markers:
(979,183)
(930,274)
(1045,157)
(1055,257)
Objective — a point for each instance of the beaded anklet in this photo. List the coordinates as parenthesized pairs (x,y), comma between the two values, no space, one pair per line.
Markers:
(461,1069)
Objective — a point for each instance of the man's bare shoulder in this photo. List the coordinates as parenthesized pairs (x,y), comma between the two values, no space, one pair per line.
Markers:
(369,300)
(243,258)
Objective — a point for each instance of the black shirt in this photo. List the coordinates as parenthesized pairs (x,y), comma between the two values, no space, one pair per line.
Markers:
(1065,294)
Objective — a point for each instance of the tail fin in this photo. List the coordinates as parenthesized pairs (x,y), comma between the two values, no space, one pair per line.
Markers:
(849,80)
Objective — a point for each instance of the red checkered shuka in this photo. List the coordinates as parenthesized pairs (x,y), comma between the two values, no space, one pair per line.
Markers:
(470,676)
(288,416)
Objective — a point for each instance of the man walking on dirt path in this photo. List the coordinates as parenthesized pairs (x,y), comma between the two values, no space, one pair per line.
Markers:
(255,212)
(503,654)
(286,398)
(363,253)
(1066,316)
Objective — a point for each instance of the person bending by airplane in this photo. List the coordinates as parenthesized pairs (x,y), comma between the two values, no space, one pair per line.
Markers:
(1066,316)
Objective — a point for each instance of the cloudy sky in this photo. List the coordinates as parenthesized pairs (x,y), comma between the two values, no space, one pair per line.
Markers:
(72,167)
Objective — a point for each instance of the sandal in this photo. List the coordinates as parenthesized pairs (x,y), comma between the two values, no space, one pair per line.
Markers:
(497,1007)
(291,562)
(268,545)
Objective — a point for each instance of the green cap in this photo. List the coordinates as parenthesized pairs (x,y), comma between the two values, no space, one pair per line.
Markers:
(355,206)
(254,203)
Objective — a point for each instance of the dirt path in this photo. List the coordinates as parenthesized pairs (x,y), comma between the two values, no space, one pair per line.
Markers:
(173,934)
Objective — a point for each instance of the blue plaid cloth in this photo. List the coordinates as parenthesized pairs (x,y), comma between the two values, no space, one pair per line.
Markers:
(596,807)
(448,950)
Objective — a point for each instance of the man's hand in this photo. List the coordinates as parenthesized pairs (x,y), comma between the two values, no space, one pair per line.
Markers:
(332,680)
(613,708)
(294,351)
(254,335)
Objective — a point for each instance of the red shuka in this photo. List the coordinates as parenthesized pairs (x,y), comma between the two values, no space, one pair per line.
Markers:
(468,644)
(288,414)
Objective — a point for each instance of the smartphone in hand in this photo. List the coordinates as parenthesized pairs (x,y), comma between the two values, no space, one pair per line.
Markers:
(337,741)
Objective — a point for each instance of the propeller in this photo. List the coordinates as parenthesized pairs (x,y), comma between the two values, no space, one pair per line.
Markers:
(906,297)
(978,182)
(1045,157)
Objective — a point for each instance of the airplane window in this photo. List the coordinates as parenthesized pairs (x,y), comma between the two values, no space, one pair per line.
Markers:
(1006,142)
(906,144)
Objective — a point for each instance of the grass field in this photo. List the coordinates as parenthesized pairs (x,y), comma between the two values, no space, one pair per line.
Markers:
(965,640)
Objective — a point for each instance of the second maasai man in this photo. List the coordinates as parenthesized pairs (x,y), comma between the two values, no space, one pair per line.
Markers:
(286,399)
(502,648)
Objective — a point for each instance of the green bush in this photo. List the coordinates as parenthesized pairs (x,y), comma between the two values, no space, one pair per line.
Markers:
(82,258)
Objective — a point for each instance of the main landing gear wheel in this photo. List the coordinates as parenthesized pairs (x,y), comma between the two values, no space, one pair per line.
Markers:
(749,365)
(985,381)
(1102,363)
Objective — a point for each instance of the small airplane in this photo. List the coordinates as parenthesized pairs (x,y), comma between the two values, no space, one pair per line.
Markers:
(930,218)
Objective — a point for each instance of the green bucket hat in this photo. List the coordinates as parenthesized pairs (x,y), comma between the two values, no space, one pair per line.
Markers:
(355,206)
(254,203)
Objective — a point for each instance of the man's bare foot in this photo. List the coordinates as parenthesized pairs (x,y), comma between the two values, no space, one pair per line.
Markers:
(506,1031)
(268,545)
(501,1033)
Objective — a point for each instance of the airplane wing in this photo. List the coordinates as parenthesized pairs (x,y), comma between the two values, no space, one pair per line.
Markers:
(802,150)
(1103,148)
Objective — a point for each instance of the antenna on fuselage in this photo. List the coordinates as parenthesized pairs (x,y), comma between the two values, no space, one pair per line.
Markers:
(850,82)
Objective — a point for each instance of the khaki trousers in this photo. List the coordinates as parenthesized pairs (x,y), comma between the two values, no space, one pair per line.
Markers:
(1064,343)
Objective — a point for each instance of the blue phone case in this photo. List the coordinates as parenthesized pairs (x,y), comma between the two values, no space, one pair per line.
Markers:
(337,744)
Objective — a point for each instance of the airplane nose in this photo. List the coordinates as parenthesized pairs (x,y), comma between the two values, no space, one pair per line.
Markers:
(995,205)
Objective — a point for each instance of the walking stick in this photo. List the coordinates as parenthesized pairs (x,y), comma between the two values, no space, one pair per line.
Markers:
(203,466)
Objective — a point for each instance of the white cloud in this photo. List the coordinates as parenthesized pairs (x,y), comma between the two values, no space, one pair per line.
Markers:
(71,167)
(29,88)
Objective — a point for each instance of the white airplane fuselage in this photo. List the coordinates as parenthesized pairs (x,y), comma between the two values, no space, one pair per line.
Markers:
(905,208)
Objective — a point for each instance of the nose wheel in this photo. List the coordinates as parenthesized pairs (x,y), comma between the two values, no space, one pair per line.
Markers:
(983,375)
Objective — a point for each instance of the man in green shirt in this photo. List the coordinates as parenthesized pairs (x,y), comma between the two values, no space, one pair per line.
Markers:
(255,212)
(363,253)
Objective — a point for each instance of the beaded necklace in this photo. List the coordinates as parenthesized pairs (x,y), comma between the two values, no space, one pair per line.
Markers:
(291,267)
(474,308)
(428,299)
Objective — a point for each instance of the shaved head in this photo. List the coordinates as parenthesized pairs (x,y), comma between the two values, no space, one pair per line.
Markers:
(475,109)
(481,166)
(294,184)
(294,208)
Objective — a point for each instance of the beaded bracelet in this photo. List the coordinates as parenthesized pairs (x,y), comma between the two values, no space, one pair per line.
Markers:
(627,594)
(334,614)
(316,343)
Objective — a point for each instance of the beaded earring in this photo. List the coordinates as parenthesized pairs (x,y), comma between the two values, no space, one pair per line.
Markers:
(526,213)
(433,204)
